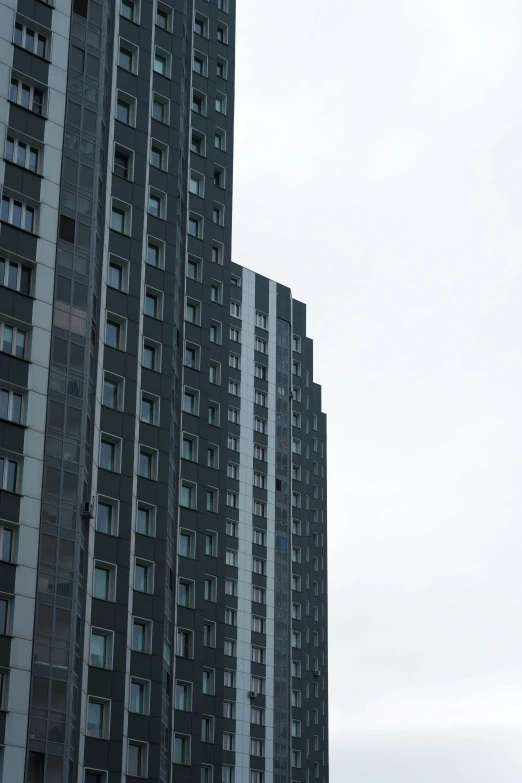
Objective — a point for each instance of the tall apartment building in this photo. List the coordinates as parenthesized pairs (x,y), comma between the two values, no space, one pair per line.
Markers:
(163,596)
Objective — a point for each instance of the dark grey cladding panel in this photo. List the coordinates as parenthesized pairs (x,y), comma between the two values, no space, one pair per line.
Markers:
(34,9)
(299,317)
(262,293)
(9,506)
(15,305)
(12,437)
(96,753)
(22,181)
(27,122)
(7,570)
(26,63)
(284,302)
(15,240)
(5,651)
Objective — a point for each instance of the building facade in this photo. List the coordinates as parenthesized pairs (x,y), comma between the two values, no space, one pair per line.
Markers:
(163,587)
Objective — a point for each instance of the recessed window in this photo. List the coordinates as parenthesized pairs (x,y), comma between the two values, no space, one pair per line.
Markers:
(213,414)
(104,581)
(260,398)
(259,537)
(234,388)
(207,728)
(217,214)
(199,64)
(219,177)
(145,519)
(259,452)
(229,741)
(160,108)
(125,108)
(196,183)
(184,642)
(148,463)
(187,543)
(192,311)
(193,269)
(116,277)
(183,696)
(141,635)
(107,516)
(261,345)
(192,356)
(163,17)
(162,62)
(151,357)
(197,143)
(210,588)
(128,56)
(11,405)
(223,5)
(110,453)
(123,163)
(209,634)
(121,217)
(188,494)
(27,96)
(98,717)
(189,448)
(143,576)
(216,292)
(21,153)
(221,69)
(101,648)
(139,696)
(158,155)
(217,253)
(195,226)
(129,10)
(212,500)
(190,401)
(7,544)
(186,593)
(229,678)
(219,140)
(137,759)
(155,252)
(149,408)
(222,34)
(157,203)
(221,104)
(29,39)
(211,544)
(8,474)
(261,320)
(206,773)
(115,332)
(200,25)
(181,749)
(18,214)
(153,303)
(214,373)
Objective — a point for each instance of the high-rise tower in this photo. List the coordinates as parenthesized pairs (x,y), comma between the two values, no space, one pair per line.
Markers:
(163,595)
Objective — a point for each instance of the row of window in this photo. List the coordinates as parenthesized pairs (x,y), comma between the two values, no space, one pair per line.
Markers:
(187,592)
(187,540)
(137,762)
(110,455)
(164,18)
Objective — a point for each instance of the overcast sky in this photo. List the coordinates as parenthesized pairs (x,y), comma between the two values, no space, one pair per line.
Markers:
(378,172)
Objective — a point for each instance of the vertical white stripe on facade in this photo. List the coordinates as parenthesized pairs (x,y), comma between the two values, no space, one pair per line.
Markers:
(38,377)
(270,600)
(244,587)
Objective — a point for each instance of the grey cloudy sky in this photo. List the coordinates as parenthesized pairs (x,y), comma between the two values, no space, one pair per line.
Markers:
(379,173)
